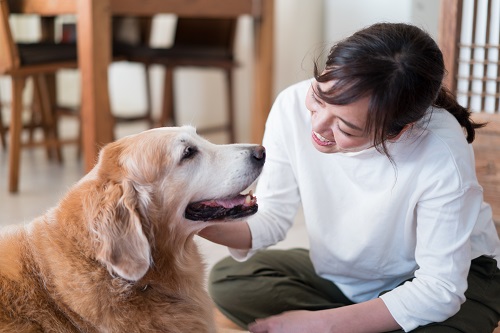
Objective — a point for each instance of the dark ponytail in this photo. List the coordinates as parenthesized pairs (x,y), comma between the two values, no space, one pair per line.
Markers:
(446,100)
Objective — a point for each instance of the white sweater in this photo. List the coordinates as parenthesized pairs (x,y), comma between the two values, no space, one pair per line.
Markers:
(371,224)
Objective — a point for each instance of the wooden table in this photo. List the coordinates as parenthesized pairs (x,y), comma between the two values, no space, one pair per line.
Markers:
(94,52)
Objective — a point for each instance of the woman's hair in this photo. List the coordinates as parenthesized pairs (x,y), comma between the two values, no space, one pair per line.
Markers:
(401,68)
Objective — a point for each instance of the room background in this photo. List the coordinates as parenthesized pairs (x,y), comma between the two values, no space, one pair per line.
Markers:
(304,31)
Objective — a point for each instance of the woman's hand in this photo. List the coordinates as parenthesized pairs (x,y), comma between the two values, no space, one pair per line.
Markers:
(292,322)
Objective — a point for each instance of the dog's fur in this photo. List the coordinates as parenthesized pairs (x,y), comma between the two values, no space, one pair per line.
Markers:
(116,254)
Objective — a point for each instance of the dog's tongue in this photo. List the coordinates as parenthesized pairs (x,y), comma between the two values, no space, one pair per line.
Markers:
(243,200)
(220,209)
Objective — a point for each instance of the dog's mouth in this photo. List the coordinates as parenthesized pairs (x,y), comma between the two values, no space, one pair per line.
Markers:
(229,208)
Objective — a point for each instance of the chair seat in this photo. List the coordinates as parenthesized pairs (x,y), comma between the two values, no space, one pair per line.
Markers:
(46,53)
(177,55)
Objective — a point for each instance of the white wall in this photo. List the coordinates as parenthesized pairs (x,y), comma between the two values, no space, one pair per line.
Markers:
(299,34)
(343,18)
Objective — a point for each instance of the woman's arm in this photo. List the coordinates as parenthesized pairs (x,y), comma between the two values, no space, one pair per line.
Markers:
(235,235)
(370,316)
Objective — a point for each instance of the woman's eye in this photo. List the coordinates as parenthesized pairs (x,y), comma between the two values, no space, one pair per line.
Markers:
(189,152)
(343,132)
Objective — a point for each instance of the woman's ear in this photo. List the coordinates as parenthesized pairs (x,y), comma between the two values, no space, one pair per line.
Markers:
(121,243)
(396,138)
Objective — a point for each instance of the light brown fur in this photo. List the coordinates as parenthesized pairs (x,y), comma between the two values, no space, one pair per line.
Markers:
(116,254)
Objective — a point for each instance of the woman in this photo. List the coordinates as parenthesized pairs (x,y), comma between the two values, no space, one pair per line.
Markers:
(381,161)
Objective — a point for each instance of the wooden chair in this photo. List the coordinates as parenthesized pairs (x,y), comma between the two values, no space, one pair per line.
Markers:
(38,61)
(198,42)
(473,64)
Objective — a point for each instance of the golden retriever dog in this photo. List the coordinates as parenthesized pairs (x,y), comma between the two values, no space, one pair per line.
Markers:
(117,253)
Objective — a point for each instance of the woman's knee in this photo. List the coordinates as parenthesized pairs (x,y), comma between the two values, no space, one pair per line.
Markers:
(234,283)
(221,286)
(237,292)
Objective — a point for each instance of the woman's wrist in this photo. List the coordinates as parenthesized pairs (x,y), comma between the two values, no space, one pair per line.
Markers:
(235,235)
(370,316)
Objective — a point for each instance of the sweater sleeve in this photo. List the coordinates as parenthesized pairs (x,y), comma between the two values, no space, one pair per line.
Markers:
(277,191)
(443,256)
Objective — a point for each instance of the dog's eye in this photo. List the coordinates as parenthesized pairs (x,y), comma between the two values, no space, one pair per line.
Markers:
(189,152)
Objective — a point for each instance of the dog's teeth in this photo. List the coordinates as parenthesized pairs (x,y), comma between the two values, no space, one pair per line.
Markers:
(250,193)
(248,199)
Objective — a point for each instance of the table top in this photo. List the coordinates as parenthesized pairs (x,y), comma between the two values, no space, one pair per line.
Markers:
(206,8)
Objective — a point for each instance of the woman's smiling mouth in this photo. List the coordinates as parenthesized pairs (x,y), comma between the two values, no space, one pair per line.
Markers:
(320,140)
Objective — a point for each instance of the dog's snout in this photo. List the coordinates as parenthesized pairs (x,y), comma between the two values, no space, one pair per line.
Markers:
(259,154)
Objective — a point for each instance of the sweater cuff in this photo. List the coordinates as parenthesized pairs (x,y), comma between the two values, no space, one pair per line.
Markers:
(398,311)
(241,255)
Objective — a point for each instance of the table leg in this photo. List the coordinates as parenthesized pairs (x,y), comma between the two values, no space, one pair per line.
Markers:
(94,55)
(15,129)
(263,70)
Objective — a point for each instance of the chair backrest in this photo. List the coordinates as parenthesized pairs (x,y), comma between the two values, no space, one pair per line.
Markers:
(469,37)
(205,32)
(9,56)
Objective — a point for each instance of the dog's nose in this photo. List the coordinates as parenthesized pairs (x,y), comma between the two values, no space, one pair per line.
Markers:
(259,154)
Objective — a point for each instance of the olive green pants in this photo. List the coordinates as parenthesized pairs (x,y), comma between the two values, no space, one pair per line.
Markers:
(275,281)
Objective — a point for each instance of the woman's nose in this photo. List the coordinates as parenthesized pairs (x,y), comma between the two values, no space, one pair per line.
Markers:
(323,117)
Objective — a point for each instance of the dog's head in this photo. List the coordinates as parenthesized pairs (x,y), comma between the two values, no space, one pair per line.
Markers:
(163,176)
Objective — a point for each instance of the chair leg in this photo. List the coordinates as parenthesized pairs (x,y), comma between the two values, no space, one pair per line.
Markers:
(49,118)
(168,111)
(2,128)
(49,88)
(230,106)
(149,97)
(34,116)
(15,132)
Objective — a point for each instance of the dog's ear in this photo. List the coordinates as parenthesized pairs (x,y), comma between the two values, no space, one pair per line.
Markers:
(121,243)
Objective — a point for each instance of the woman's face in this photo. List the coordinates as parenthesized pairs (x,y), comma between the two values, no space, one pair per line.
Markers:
(337,128)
